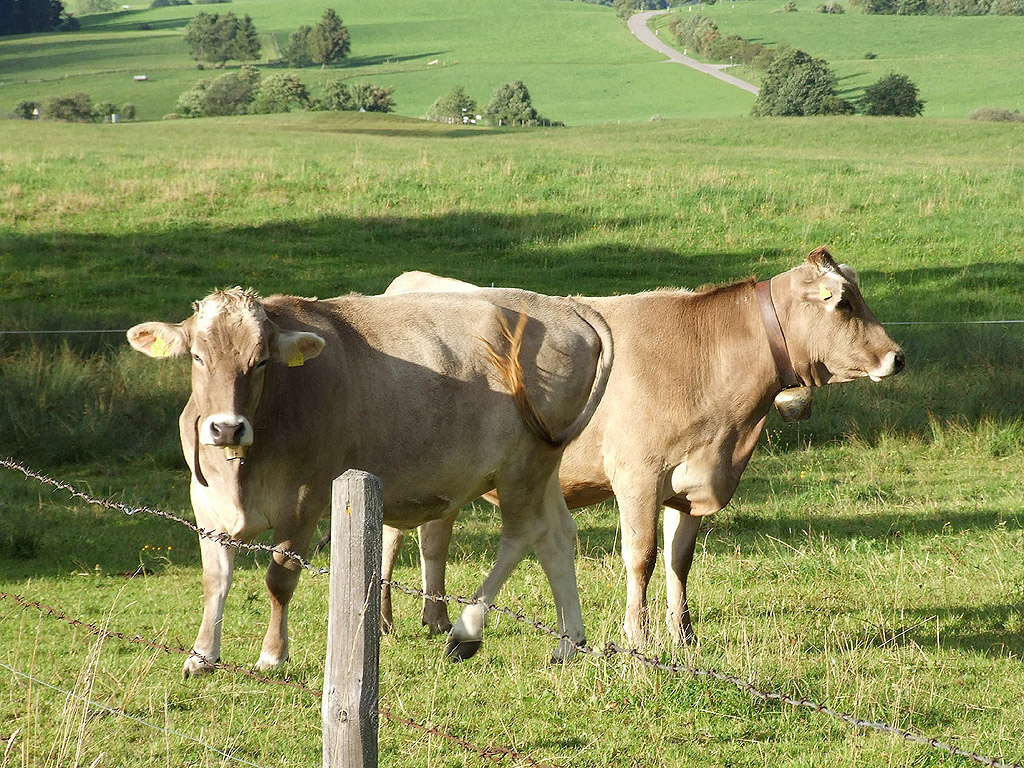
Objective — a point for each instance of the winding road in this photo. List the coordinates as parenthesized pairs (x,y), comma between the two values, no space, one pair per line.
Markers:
(638,26)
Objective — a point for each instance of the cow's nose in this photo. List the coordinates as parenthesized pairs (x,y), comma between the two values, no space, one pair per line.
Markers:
(899,361)
(227,434)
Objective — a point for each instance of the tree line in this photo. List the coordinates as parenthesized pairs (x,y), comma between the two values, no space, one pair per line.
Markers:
(510,104)
(19,17)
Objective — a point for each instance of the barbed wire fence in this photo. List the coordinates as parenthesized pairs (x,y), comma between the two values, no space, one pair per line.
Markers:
(493,753)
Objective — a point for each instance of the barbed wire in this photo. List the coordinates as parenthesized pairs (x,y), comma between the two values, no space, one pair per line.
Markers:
(224,539)
(492,753)
(610,649)
(121,713)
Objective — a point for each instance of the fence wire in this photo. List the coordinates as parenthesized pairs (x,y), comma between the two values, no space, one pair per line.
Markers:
(491,752)
(609,650)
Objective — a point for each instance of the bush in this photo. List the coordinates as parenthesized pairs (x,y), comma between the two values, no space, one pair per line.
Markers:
(510,104)
(27,110)
(831,7)
(367,97)
(796,83)
(229,94)
(455,107)
(102,111)
(278,93)
(894,94)
(336,97)
(128,111)
(997,115)
(76,108)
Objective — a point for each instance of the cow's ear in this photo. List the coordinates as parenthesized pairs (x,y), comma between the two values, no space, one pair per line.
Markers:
(850,273)
(829,289)
(296,347)
(161,339)
(822,259)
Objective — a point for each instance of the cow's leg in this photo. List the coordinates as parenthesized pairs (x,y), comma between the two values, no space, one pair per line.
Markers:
(435,539)
(681,531)
(392,545)
(282,578)
(556,551)
(218,567)
(638,515)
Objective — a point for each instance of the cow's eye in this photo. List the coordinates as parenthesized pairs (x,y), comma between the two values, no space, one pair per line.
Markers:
(198,360)
(261,364)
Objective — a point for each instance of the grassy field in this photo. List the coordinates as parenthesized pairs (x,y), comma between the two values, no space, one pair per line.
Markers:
(871,559)
(579,61)
(958,63)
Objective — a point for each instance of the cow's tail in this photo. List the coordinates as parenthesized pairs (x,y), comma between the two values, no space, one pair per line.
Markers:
(510,370)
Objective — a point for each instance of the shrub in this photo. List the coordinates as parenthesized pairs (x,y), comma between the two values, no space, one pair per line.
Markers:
(27,110)
(278,93)
(101,111)
(337,96)
(997,115)
(76,108)
(796,83)
(367,97)
(128,111)
(893,94)
(831,7)
(229,94)
(455,107)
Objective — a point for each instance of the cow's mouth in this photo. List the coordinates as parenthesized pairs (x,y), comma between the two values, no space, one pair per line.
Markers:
(891,364)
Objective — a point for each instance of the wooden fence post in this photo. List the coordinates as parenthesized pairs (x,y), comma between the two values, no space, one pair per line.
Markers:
(351,674)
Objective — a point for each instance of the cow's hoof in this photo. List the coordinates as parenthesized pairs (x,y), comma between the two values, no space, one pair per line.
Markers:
(196,666)
(268,662)
(460,650)
(438,627)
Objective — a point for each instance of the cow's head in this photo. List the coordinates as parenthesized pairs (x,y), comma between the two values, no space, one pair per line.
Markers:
(231,341)
(830,331)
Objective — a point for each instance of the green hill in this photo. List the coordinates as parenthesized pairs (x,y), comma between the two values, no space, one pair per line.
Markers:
(959,63)
(579,61)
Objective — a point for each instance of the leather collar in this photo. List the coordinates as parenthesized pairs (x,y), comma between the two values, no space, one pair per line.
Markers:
(776,339)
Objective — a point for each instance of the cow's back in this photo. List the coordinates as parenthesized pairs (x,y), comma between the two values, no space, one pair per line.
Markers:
(404,389)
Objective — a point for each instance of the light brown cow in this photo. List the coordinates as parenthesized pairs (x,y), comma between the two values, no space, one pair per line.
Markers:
(695,377)
(442,402)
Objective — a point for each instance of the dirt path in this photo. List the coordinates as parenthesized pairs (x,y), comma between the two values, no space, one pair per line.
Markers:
(638,26)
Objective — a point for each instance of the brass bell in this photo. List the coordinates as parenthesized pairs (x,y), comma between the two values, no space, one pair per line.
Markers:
(794,404)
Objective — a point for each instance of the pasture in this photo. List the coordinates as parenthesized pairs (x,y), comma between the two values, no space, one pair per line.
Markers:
(959,63)
(871,560)
(600,73)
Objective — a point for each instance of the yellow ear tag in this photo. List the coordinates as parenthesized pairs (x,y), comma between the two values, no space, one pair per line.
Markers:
(825,293)
(296,359)
(159,348)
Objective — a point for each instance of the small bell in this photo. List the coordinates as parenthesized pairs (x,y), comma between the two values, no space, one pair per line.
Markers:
(794,404)
(234,452)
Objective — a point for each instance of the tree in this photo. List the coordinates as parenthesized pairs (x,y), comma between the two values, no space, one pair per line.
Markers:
(278,93)
(76,108)
(246,44)
(367,97)
(200,36)
(21,16)
(510,105)
(219,38)
(455,107)
(229,94)
(102,111)
(337,96)
(796,83)
(894,94)
(297,48)
(328,40)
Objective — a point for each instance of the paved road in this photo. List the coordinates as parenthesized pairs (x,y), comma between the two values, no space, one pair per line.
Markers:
(638,26)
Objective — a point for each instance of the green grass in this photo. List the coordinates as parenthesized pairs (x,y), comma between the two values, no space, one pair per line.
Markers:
(579,61)
(958,63)
(871,559)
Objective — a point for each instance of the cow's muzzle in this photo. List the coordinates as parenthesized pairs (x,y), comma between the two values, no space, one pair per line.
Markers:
(229,431)
(891,364)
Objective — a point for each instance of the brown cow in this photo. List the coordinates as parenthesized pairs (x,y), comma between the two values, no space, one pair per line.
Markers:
(442,402)
(695,376)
